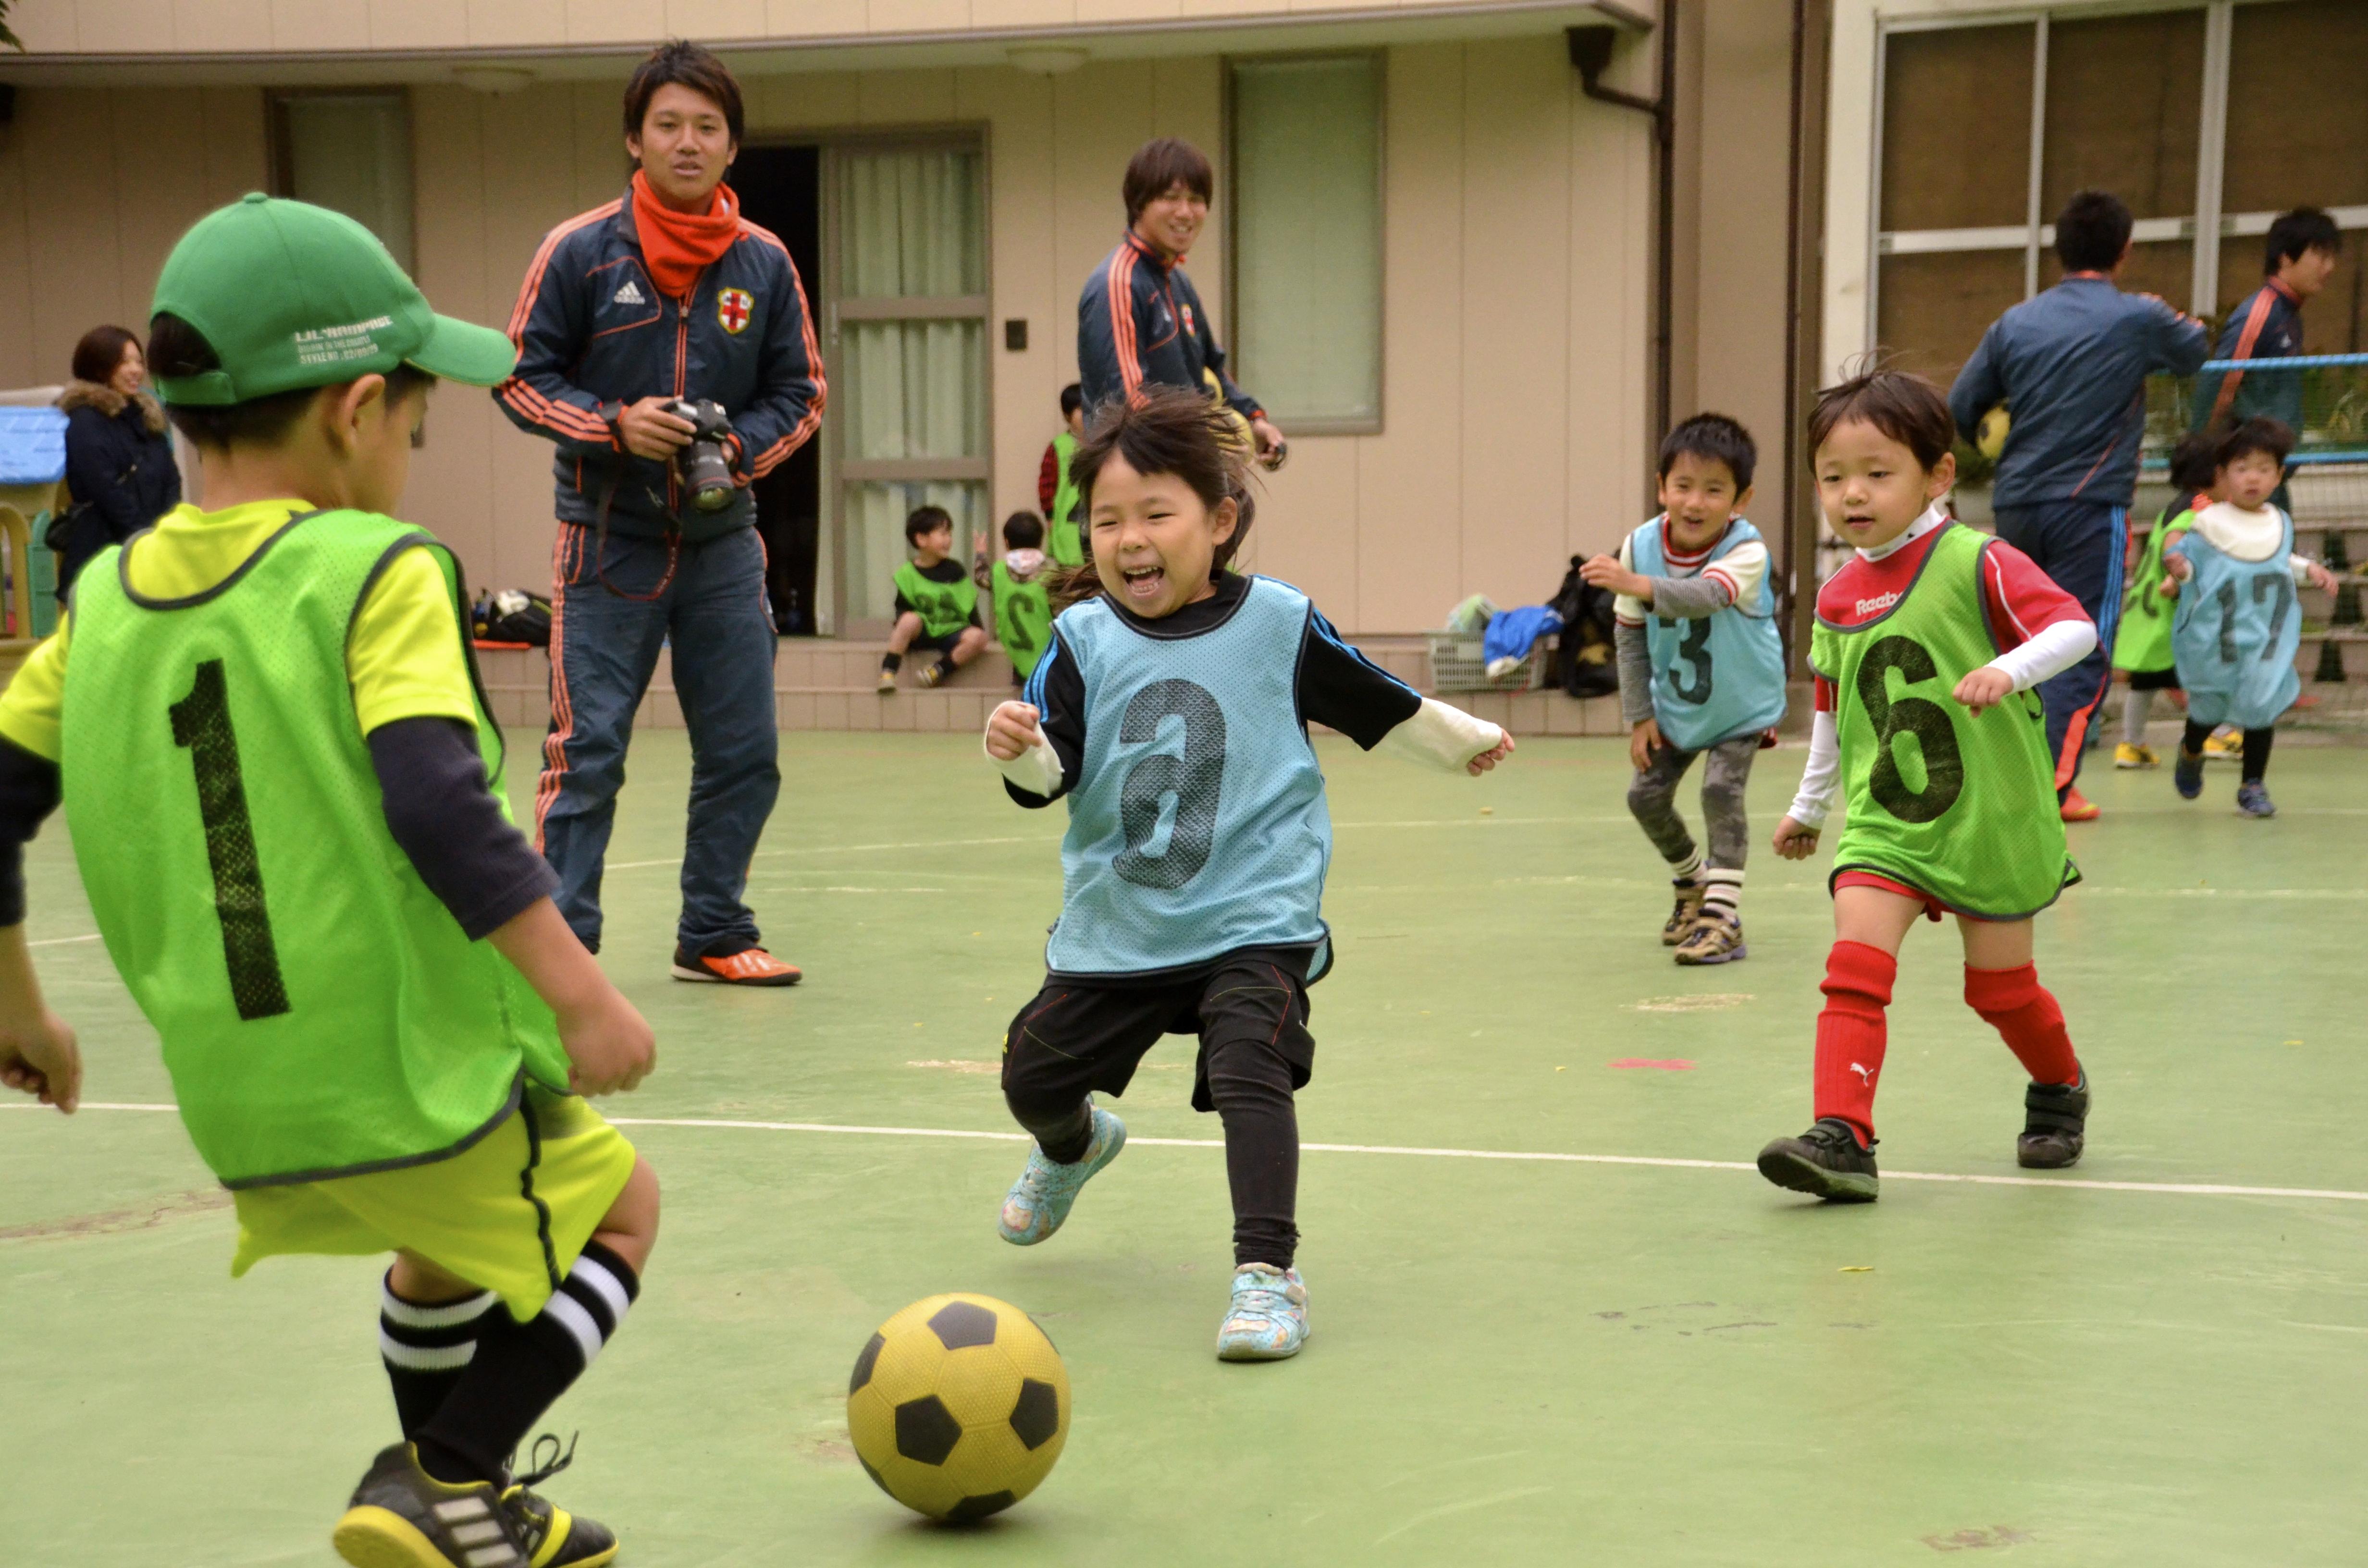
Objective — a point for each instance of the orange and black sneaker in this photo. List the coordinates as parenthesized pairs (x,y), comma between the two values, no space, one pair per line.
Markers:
(749,966)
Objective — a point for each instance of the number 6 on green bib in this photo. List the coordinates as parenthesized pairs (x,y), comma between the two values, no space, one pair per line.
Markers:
(1963,808)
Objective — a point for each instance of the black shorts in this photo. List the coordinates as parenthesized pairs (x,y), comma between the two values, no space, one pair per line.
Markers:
(1077,1037)
(2155,680)
(924,643)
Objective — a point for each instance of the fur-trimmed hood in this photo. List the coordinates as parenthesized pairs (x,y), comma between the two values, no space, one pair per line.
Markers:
(108,401)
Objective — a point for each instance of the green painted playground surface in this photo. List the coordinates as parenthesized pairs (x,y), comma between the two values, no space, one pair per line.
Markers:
(1514,1361)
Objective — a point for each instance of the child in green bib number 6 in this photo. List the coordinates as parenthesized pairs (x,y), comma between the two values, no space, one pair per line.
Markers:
(1928,645)
(1170,708)
(286,800)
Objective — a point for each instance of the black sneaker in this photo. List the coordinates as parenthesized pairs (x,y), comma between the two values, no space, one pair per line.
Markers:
(1826,1160)
(2187,774)
(2055,1125)
(401,1516)
(553,1537)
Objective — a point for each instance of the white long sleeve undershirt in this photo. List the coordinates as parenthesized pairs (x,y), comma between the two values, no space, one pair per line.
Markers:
(1438,734)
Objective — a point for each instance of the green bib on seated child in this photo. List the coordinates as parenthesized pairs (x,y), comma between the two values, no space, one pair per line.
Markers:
(1062,541)
(1958,807)
(321,1012)
(945,608)
(1023,617)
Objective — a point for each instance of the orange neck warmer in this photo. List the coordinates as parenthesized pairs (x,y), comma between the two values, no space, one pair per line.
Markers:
(676,247)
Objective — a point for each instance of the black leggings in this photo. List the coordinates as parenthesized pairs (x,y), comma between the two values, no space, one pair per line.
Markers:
(1251,1014)
(2257,747)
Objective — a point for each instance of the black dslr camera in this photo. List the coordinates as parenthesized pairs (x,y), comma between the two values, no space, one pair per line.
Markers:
(705,467)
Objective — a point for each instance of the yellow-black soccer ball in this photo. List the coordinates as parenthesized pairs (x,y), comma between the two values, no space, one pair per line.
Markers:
(1990,436)
(959,1406)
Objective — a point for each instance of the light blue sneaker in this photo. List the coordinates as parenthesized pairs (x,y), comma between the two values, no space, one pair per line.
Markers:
(1040,1200)
(1268,1320)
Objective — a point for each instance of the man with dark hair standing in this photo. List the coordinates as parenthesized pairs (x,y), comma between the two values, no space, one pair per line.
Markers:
(664,297)
(1140,321)
(2070,364)
(2300,255)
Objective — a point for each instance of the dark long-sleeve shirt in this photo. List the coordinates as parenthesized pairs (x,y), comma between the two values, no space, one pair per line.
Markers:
(2267,325)
(1140,321)
(595,332)
(2070,364)
(438,804)
(1338,685)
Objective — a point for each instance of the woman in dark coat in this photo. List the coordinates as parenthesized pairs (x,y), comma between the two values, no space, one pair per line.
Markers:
(119,471)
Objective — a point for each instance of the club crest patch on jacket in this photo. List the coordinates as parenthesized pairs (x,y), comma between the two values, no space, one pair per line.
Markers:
(734,307)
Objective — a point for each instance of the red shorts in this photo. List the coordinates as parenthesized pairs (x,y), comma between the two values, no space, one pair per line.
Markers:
(1934,908)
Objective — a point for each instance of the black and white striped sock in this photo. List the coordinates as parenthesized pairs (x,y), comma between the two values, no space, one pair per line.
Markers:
(591,1303)
(1689,869)
(1722,892)
(426,1349)
(521,1369)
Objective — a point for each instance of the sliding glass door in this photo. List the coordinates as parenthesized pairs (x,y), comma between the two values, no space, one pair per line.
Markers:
(908,363)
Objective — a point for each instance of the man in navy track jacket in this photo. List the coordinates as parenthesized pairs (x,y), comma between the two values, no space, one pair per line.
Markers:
(1138,319)
(2070,364)
(666,294)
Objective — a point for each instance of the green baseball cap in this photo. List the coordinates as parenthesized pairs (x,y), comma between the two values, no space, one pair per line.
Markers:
(293,295)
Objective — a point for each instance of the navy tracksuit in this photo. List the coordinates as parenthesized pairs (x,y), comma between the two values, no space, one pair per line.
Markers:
(637,567)
(2070,364)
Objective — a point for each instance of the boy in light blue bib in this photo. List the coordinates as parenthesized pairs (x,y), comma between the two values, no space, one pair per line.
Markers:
(1701,672)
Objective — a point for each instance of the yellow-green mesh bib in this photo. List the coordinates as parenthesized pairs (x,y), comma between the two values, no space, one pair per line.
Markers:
(1960,808)
(321,1012)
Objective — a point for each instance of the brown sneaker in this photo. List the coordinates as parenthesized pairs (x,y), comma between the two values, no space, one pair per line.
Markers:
(1716,938)
(1682,918)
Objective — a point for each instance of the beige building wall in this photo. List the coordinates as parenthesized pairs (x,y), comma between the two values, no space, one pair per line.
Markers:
(162,26)
(1518,218)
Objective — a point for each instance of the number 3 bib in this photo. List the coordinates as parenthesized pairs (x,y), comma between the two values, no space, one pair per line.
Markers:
(1960,808)
(321,1012)
(1197,826)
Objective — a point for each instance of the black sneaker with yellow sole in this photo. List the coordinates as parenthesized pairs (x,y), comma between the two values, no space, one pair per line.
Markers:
(553,1537)
(401,1516)
(1825,1161)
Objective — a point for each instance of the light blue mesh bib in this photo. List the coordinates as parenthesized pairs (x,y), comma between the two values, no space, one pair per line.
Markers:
(1197,826)
(2236,633)
(1716,677)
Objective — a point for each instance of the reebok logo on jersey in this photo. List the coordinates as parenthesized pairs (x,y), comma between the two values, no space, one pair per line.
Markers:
(1880,601)
(630,294)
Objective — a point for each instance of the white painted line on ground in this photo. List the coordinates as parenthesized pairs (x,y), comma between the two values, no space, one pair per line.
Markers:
(62,941)
(2173,1188)
(1047,839)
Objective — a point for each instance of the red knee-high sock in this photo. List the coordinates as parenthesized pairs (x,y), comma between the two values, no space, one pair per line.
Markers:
(2024,1012)
(1850,1033)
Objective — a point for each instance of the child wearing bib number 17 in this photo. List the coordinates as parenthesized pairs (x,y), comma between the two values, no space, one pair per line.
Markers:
(1172,708)
(1927,646)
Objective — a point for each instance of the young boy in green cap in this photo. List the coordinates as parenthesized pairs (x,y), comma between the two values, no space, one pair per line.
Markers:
(285,794)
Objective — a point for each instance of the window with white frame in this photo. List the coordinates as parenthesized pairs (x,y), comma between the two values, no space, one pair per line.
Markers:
(350,152)
(1306,222)
(2208,120)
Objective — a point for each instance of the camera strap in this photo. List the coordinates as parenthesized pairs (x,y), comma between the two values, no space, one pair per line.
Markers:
(601,544)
